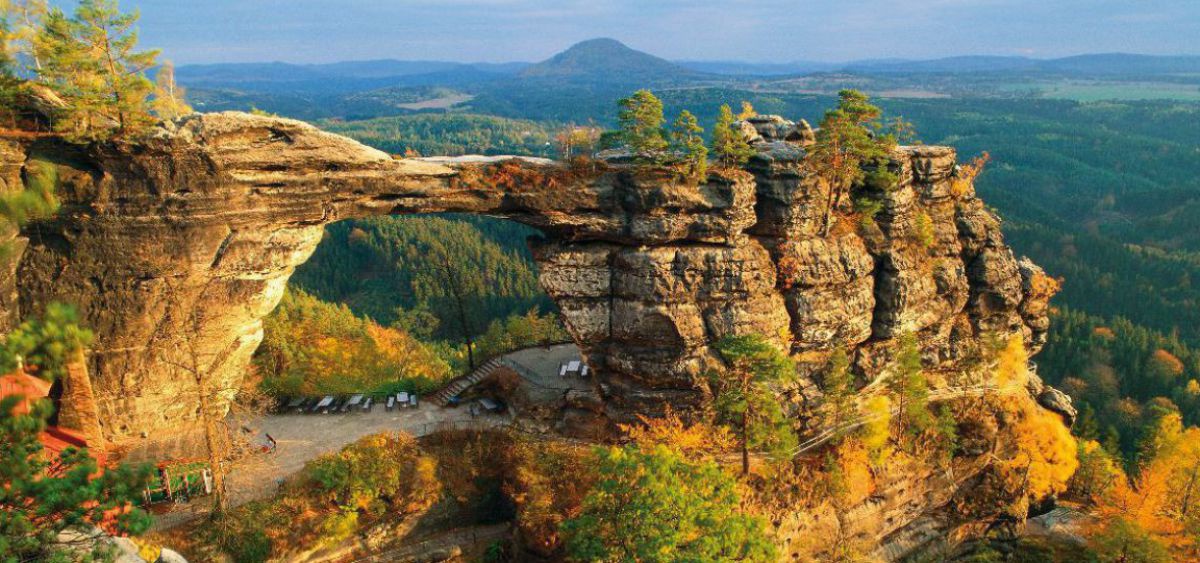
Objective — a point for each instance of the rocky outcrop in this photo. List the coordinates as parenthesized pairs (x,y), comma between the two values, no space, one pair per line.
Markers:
(190,236)
(175,247)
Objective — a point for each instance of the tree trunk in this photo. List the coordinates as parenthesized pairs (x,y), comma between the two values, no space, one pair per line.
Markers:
(1187,495)
(746,431)
(745,446)
(828,215)
(213,444)
(454,285)
(466,329)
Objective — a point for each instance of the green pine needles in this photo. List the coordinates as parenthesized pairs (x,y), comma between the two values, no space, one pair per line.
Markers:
(657,506)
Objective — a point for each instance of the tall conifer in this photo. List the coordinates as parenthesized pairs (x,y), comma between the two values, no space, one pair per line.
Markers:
(641,122)
(687,139)
(90,60)
(729,145)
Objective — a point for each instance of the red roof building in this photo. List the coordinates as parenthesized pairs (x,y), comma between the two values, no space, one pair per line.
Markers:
(21,383)
(54,439)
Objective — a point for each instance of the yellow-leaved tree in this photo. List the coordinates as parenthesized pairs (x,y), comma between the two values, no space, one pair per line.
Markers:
(1012,363)
(1163,499)
(699,440)
(876,431)
(1045,456)
(168,96)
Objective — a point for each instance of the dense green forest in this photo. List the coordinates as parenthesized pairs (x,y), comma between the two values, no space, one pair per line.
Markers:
(394,269)
(449,134)
(1122,376)
(429,285)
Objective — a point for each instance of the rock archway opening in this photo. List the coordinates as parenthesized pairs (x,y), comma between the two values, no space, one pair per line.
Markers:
(432,296)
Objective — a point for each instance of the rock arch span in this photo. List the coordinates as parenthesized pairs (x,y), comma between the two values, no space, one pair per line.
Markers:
(176,247)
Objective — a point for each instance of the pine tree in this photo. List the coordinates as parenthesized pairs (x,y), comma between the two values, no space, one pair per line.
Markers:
(641,125)
(730,146)
(687,139)
(1087,427)
(90,60)
(37,200)
(42,496)
(845,144)
(7,37)
(47,343)
(72,73)
(110,35)
(657,506)
(947,432)
(910,390)
(746,399)
(25,18)
(168,96)
(8,75)
(839,388)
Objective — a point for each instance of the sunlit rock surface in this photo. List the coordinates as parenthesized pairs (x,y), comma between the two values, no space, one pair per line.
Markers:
(174,248)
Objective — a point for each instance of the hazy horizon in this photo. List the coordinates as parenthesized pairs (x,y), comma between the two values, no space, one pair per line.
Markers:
(765,31)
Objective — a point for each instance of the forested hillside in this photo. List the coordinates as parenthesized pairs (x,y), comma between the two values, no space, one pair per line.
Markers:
(742,398)
(1124,378)
(449,134)
(407,269)
(392,303)
(314,348)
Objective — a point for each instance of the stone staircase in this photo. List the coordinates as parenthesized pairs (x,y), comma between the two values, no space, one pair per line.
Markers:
(462,383)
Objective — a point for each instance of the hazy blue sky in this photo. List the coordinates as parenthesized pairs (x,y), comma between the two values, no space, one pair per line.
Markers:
(191,31)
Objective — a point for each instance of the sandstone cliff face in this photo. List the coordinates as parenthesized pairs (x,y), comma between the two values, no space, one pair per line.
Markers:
(192,234)
(175,248)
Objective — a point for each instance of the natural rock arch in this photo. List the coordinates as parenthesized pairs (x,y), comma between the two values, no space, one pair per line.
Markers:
(192,234)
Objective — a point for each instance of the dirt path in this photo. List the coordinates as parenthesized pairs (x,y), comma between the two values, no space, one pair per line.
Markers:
(303,437)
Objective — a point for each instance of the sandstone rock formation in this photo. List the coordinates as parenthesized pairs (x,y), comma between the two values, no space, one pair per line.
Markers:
(191,236)
(176,247)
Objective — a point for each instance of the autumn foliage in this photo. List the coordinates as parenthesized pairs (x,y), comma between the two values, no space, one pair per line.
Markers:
(694,440)
(1044,457)
(962,182)
(380,477)
(1012,363)
(1162,500)
(313,348)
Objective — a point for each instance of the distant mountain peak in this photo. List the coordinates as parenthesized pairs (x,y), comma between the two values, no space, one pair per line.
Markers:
(602,42)
(609,60)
